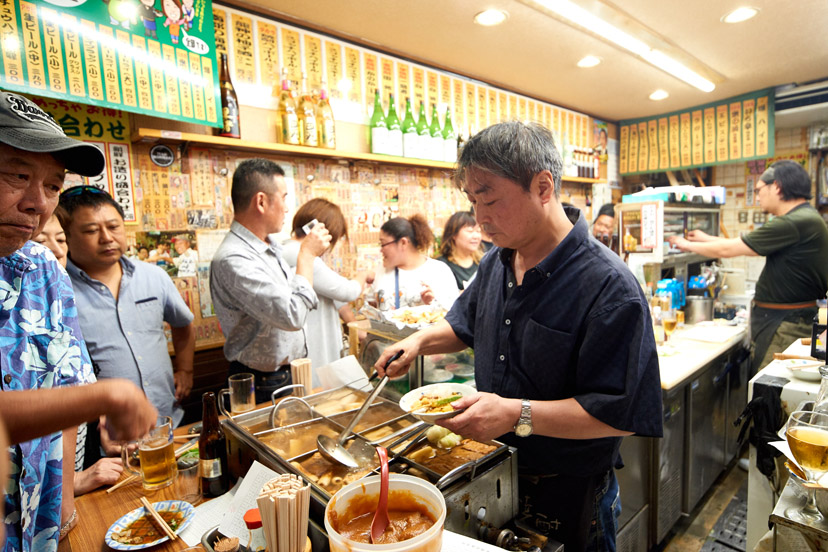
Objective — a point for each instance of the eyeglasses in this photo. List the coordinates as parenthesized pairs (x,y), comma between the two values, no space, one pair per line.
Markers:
(388,243)
(757,188)
(75,191)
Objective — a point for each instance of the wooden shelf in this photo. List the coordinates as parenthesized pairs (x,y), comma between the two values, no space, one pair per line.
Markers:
(151,135)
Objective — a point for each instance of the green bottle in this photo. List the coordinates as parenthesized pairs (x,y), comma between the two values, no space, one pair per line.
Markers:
(378,128)
(423,133)
(395,140)
(449,140)
(409,132)
(435,152)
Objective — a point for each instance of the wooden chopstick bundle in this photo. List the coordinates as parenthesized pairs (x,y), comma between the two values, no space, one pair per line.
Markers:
(158,519)
(300,371)
(284,503)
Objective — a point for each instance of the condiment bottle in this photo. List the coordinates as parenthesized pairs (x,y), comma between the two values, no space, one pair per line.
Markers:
(253,520)
(212,450)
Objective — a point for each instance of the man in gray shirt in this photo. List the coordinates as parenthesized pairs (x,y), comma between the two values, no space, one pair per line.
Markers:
(261,304)
(122,305)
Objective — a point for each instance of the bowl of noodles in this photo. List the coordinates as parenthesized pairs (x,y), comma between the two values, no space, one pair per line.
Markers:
(435,402)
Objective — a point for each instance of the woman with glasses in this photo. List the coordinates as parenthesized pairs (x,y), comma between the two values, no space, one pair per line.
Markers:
(460,248)
(412,278)
(322,328)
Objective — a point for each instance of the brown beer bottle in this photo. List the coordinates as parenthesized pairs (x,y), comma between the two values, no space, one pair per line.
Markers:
(212,450)
(229,103)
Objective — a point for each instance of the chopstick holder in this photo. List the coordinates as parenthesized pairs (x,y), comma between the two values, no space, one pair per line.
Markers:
(300,371)
(121,483)
(158,519)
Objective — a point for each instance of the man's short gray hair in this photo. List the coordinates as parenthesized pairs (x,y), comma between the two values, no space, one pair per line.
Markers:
(514,150)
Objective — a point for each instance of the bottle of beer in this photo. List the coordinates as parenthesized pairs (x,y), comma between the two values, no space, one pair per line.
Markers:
(229,103)
(212,450)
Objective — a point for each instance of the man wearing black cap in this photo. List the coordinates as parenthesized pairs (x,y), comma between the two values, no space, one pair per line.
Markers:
(795,244)
(41,346)
(602,227)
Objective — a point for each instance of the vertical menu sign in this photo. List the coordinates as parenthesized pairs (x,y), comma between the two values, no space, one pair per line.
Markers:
(156,57)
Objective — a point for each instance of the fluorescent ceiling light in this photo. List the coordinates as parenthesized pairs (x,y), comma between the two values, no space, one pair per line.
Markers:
(594,24)
(659,95)
(491,17)
(740,14)
(589,61)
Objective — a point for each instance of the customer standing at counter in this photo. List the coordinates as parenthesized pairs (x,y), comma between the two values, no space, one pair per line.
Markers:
(41,347)
(324,330)
(123,304)
(460,247)
(795,244)
(261,304)
(565,360)
(412,278)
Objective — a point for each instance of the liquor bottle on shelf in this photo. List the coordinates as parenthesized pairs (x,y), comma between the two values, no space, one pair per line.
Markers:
(595,165)
(212,450)
(378,128)
(409,131)
(229,103)
(435,152)
(449,139)
(325,121)
(287,121)
(395,138)
(423,133)
(306,113)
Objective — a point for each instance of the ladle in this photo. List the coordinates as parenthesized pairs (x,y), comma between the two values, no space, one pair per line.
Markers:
(380,521)
(332,449)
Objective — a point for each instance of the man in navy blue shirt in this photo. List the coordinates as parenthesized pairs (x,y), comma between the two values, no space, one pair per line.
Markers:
(565,360)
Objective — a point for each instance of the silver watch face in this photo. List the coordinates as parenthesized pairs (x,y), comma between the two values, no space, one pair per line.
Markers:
(523,430)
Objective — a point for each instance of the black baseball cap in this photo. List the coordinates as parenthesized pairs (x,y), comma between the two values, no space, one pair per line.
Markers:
(23,125)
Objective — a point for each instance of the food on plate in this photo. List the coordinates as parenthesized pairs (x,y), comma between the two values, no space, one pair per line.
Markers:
(411,316)
(143,530)
(442,437)
(408,518)
(435,403)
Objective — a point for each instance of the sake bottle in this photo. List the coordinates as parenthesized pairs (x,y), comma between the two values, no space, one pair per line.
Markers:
(287,121)
(409,132)
(229,103)
(379,130)
(325,121)
(308,135)
(435,152)
(395,139)
(449,139)
(423,132)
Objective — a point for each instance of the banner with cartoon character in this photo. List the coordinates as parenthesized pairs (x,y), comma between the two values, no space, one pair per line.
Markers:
(155,57)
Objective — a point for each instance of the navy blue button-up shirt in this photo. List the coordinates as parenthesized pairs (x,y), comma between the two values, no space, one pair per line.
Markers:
(578,326)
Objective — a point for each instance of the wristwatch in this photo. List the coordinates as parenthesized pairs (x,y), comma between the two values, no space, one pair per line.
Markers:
(523,427)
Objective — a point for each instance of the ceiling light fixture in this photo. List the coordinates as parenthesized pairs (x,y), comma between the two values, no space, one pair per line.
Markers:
(579,16)
(589,61)
(740,14)
(491,17)
(659,95)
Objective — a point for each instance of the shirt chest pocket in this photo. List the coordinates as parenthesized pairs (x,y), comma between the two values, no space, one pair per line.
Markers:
(547,358)
(149,315)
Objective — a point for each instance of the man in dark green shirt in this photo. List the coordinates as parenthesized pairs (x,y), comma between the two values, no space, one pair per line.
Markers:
(795,244)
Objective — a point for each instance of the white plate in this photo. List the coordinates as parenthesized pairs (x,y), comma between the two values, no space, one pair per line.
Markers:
(446,389)
(185,507)
(811,373)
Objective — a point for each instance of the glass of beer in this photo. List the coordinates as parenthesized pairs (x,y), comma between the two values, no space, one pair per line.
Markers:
(242,393)
(669,321)
(807,435)
(156,455)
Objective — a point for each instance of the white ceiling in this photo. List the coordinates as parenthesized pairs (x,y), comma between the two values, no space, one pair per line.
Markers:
(536,55)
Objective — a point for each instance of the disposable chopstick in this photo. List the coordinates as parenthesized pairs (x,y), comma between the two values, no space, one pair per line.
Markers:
(186,437)
(121,483)
(158,519)
(192,443)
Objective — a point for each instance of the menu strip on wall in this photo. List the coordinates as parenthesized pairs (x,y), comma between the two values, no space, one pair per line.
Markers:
(99,54)
(736,129)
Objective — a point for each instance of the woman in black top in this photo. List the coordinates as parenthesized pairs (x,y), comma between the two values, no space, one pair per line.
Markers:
(460,247)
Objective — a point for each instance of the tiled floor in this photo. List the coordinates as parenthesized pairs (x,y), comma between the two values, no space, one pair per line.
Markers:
(690,533)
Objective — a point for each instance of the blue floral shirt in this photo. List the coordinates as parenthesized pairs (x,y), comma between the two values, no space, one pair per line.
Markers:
(41,346)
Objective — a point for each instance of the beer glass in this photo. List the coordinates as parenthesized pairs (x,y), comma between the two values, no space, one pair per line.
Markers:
(156,454)
(242,393)
(807,435)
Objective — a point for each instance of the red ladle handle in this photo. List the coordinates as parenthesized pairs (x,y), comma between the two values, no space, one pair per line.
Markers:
(380,521)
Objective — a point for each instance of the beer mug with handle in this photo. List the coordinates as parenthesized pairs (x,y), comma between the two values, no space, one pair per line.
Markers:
(156,454)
